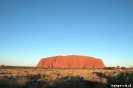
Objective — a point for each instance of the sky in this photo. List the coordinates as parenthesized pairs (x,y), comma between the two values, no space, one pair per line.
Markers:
(35,29)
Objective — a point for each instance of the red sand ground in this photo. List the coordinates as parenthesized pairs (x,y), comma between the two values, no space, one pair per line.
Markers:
(71,61)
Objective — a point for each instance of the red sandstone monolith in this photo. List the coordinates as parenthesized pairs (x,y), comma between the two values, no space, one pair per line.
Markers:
(71,61)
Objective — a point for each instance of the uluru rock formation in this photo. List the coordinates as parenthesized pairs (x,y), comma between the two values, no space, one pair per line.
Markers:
(71,61)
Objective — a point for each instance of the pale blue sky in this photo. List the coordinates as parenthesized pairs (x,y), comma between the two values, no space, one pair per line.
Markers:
(34,29)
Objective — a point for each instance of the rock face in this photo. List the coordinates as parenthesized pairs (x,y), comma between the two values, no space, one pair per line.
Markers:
(71,61)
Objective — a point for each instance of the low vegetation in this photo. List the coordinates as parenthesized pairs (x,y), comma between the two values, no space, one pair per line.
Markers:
(30,77)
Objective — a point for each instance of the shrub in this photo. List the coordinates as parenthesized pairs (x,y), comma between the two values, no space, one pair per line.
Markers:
(2,66)
(118,67)
(110,68)
(130,67)
(123,67)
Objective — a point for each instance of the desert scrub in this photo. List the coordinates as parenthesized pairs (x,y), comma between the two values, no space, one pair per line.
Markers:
(69,82)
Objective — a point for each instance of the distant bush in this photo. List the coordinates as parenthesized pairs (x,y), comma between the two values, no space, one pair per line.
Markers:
(2,66)
(110,68)
(130,67)
(118,67)
(123,67)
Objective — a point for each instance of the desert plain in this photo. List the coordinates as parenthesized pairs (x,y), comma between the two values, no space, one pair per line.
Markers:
(33,77)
